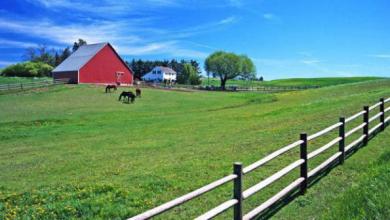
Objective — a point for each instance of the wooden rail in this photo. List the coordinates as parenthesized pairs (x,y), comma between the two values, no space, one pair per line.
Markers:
(239,194)
(28,85)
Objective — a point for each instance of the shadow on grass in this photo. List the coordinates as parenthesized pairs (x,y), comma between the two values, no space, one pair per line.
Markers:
(272,210)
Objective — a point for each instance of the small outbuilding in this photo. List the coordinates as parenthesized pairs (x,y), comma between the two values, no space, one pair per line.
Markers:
(95,64)
(161,74)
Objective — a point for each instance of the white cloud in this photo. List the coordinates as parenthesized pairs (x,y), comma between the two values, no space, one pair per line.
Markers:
(228,20)
(271,17)
(127,44)
(66,34)
(106,7)
(15,44)
(310,61)
(383,56)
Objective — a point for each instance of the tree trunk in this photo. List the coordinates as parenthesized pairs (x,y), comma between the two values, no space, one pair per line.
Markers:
(223,83)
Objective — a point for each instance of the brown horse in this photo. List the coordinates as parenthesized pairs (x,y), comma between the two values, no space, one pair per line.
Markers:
(138,92)
(109,87)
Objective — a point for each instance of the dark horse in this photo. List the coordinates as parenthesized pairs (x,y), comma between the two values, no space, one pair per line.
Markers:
(109,87)
(129,95)
(138,92)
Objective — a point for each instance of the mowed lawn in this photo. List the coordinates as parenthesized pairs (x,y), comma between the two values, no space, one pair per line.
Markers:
(74,151)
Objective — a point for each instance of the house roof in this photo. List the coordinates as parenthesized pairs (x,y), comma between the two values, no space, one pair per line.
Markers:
(80,57)
(166,69)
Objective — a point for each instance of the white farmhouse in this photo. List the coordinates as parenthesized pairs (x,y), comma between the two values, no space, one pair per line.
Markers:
(161,74)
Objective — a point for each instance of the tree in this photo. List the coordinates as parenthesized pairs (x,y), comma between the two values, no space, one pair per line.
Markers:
(57,59)
(193,75)
(65,54)
(78,44)
(188,75)
(228,66)
(28,69)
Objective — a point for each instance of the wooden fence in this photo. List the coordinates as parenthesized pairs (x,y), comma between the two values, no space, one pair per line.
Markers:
(13,87)
(240,195)
(262,89)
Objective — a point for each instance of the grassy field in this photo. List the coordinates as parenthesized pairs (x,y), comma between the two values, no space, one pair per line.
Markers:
(330,81)
(6,80)
(73,151)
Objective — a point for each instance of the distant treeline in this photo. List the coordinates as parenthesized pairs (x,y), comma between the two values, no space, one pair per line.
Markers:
(142,67)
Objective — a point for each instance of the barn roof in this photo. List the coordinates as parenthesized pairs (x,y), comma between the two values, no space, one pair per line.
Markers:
(79,58)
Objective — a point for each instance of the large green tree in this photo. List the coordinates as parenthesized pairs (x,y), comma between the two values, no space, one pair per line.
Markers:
(28,69)
(228,66)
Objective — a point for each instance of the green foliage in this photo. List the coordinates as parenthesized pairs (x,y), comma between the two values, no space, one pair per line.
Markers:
(28,69)
(111,160)
(229,65)
(359,189)
(189,75)
(78,44)
(141,67)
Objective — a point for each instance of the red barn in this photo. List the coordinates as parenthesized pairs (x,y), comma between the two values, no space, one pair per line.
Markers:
(94,63)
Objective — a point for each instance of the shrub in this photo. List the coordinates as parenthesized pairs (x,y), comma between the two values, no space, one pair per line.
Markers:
(28,69)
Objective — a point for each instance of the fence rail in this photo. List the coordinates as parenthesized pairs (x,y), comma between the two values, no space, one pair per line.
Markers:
(28,85)
(255,88)
(240,194)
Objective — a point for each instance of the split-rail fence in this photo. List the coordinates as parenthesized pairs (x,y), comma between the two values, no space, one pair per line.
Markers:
(13,87)
(301,183)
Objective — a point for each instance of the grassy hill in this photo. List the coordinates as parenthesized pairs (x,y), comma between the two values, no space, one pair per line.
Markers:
(329,81)
(74,151)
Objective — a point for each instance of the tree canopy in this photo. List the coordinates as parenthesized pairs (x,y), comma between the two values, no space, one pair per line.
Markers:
(28,69)
(189,75)
(78,44)
(229,65)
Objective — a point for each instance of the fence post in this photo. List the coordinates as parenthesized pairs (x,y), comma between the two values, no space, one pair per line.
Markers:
(21,86)
(237,192)
(366,126)
(303,150)
(342,141)
(382,109)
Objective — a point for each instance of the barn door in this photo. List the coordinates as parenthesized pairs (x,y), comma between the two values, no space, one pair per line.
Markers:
(119,77)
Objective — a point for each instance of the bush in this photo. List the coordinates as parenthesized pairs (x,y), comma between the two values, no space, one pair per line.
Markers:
(28,69)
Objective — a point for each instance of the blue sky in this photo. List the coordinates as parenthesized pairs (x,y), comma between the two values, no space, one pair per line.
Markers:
(284,38)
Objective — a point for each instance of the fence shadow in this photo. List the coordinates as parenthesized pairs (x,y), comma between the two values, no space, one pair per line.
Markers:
(271,211)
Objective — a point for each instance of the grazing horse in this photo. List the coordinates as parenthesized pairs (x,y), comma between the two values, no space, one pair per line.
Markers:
(109,87)
(130,96)
(138,92)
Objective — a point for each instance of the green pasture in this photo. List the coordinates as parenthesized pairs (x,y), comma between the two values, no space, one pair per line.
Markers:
(72,151)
